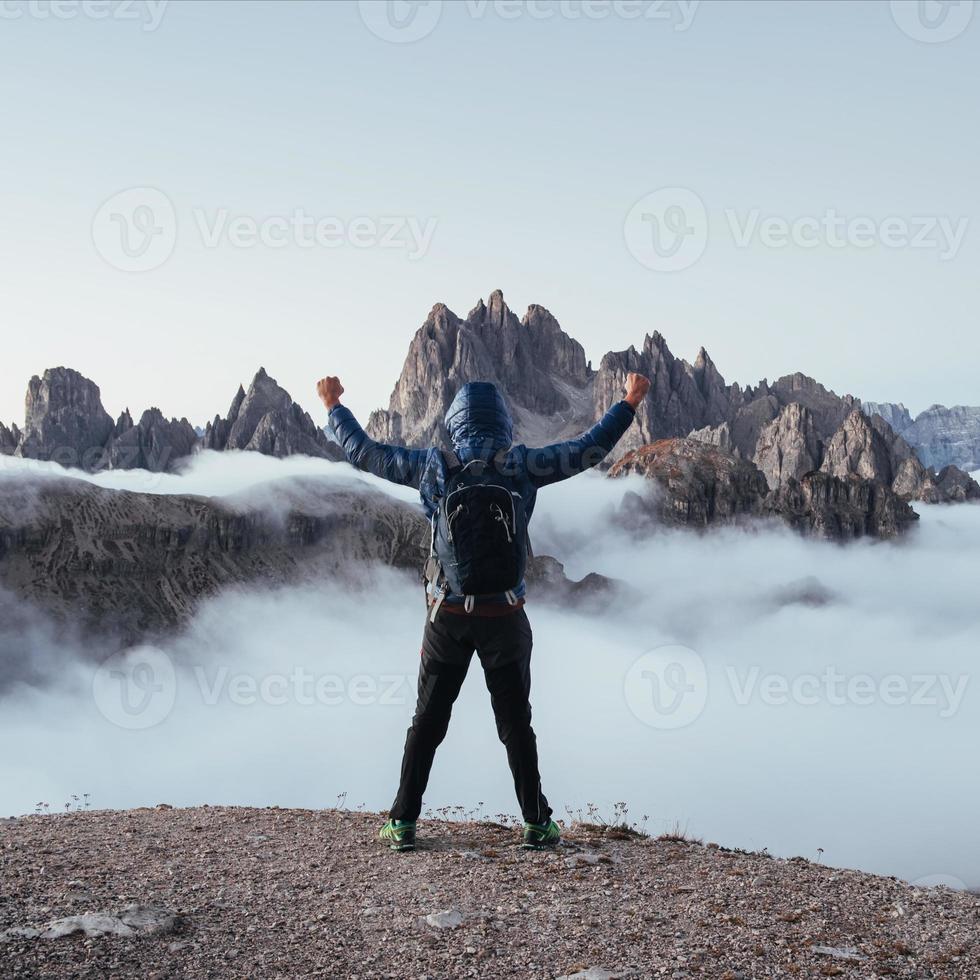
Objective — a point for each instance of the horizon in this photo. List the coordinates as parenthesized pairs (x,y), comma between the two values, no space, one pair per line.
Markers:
(315,177)
(314,409)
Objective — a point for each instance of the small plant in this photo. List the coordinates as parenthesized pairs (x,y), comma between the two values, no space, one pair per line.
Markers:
(74,804)
(342,800)
(679,835)
(616,827)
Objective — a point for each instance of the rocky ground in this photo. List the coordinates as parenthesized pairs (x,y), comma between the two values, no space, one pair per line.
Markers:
(238,892)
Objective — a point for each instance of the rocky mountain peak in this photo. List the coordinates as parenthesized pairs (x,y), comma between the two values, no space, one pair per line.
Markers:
(124,423)
(860,449)
(943,436)
(895,414)
(682,397)
(495,313)
(871,449)
(265,419)
(8,439)
(541,370)
(154,443)
(788,447)
(64,419)
(699,484)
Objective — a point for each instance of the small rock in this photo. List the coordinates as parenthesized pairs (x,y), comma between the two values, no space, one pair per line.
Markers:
(135,920)
(149,920)
(839,952)
(449,919)
(584,857)
(592,973)
(91,923)
(19,932)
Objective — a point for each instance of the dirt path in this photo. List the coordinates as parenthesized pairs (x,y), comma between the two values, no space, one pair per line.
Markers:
(237,892)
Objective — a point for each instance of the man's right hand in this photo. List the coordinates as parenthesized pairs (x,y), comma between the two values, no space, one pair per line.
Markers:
(329,389)
(637,386)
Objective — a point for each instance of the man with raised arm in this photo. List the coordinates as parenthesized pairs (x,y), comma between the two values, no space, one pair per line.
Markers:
(478,496)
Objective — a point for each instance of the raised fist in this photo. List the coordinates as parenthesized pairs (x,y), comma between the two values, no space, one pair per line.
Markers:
(637,386)
(329,389)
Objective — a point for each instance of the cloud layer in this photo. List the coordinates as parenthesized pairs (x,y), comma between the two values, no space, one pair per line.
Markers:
(758,689)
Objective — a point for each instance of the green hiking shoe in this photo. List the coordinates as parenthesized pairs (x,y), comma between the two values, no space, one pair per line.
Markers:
(539,836)
(399,835)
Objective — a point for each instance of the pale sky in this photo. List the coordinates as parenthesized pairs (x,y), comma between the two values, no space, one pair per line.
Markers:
(507,147)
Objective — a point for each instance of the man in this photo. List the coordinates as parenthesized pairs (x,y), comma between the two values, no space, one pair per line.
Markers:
(494,625)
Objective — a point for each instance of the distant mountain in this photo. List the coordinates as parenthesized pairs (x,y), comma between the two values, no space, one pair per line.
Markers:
(555,393)
(788,428)
(137,562)
(131,564)
(699,485)
(265,419)
(543,371)
(870,449)
(894,413)
(66,423)
(944,436)
(940,436)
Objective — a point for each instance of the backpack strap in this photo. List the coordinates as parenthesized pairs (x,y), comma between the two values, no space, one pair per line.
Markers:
(452,461)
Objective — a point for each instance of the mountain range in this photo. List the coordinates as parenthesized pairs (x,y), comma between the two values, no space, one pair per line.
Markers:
(781,434)
(940,436)
(711,452)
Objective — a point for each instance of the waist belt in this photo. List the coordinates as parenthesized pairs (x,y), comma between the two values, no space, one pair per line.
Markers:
(479,609)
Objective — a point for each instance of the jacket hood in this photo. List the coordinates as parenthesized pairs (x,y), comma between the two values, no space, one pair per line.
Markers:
(479,417)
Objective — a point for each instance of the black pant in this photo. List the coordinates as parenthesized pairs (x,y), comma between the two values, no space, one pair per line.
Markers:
(503,644)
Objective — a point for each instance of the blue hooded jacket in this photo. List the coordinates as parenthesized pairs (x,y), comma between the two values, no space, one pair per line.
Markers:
(479,425)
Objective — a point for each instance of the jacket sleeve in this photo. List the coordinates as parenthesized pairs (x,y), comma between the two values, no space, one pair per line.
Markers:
(564,459)
(392,463)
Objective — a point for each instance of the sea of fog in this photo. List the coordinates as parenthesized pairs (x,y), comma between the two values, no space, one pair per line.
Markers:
(756,689)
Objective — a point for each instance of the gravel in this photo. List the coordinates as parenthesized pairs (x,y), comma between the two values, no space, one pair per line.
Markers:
(242,892)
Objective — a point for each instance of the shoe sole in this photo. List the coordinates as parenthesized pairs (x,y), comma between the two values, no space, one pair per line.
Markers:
(539,847)
(402,847)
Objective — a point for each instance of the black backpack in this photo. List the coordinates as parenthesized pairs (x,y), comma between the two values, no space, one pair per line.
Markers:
(479,532)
